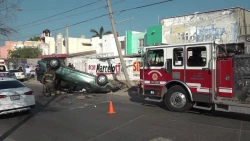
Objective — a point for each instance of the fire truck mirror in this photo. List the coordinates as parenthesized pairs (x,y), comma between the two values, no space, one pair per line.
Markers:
(148,64)
(169,66)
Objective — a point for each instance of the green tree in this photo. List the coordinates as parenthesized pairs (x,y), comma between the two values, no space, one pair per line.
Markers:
(25,52)
(35,38)
(100,33)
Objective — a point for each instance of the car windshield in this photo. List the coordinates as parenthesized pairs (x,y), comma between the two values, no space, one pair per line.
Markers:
(11,71)
(2,68)
(10,84)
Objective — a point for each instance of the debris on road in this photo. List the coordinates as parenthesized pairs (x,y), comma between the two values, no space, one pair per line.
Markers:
(82,97)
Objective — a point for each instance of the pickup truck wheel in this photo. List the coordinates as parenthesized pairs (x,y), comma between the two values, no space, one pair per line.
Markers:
(177,99)
(102,79)
(55,63)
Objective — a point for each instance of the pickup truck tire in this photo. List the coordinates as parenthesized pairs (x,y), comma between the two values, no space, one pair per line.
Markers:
(102,79)
(54,63)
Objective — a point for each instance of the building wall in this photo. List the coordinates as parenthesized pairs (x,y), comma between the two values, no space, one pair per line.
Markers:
(60,47)
(153,35)
(134,40)
(107,44)
(52,46)
(79,45)
(48,46)
(244,21)
(45,48)
(96,44)
(21,44)
(4,50)
(200,27)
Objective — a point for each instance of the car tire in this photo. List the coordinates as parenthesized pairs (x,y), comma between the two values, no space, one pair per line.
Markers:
(54,63)
(177,99)
(102,79)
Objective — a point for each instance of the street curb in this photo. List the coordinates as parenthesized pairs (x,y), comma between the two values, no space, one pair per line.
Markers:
(32,82)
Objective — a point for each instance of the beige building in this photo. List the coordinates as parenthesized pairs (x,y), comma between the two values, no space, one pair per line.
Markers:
(76,45)
(21,44)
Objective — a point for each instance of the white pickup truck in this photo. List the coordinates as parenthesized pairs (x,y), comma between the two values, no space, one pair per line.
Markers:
(2,61)
(3,70)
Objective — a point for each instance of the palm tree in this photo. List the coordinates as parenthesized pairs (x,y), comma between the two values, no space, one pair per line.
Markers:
(100,33)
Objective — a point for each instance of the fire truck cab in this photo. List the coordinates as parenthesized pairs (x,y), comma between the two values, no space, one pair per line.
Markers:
(205,75)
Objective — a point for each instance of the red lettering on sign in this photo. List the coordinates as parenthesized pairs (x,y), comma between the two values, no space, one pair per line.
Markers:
(118,68)
(91,67)
(136,66)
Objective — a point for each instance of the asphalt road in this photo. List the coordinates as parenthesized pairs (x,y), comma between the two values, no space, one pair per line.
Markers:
(66,118)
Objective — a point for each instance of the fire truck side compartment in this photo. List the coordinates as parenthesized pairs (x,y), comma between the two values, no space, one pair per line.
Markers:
(224,77)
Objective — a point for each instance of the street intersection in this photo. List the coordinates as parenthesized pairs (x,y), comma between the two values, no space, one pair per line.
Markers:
(84,117)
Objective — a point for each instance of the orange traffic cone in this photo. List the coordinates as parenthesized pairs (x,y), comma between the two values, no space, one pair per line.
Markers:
(111,108)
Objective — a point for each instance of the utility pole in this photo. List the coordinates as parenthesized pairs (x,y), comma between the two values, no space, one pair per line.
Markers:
(118,45)
(67,39)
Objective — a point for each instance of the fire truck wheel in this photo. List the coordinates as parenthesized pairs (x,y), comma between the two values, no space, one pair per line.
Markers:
(177,100)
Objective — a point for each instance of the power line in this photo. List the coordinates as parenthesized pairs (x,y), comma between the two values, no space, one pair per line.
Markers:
(120,11)
(143,6)
(60,13)
(73,14)
(69,25)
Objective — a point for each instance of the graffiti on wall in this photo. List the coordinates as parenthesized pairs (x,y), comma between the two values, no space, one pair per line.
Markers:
(220,26)
(208,33)
(200,34)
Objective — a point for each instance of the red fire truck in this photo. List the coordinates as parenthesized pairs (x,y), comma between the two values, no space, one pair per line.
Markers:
(207,76)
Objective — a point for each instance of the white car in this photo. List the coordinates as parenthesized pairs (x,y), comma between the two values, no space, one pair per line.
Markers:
(17,74)
(3,70)
(15,96)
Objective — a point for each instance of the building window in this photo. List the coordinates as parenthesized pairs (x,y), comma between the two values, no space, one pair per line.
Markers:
(86,44)
(141,42)
(122,44)
(156,57)
(197,56)
(186,36)
(178,56)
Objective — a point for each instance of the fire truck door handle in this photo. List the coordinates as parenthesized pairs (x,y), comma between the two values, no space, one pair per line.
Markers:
(205,68)
(163,68)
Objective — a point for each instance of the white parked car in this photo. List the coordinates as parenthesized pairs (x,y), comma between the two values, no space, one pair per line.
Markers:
(17,74)
(15,96)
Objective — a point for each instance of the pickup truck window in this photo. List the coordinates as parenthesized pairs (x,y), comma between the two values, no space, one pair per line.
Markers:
(2,68)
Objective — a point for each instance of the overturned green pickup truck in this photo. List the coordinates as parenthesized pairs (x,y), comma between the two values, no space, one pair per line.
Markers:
(75,80)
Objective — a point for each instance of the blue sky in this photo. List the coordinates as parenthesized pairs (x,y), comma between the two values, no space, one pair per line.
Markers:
(33,10)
